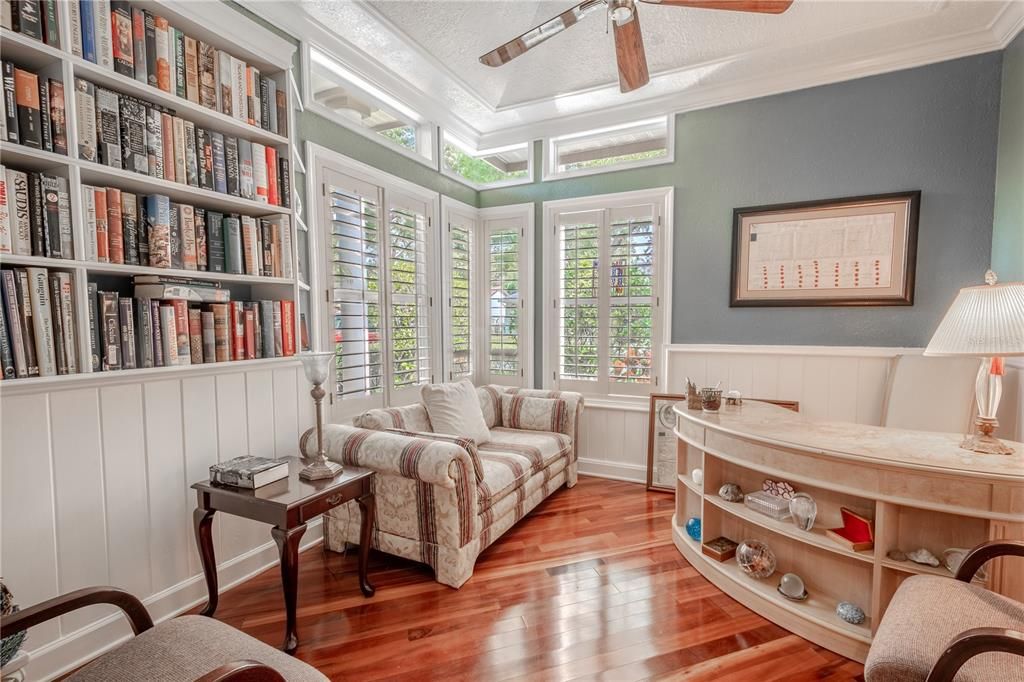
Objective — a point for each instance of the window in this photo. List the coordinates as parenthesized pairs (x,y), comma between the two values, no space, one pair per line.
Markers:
(508,165)
(630,145)
(460,282)
(604,270)
(380,263)
(506,234)
(345,97)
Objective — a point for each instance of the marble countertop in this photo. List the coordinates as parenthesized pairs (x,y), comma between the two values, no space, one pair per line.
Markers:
(774,425)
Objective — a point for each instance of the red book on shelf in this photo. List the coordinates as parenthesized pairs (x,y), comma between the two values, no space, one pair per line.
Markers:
(288,327)
(857,533)
(273,196)
(250,334)
(115,229)
(237,331)
(102,239)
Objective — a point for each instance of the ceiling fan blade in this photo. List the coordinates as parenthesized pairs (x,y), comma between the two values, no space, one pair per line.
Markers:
(760,6)
(629,53)
(538,34)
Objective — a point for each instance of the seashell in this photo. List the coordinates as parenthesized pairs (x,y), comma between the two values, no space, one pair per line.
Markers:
(792,587)
(778,488)
(756,558)
(896,555)
(924,557)
(697,475)
(850,612)
(730,492)
(693,528)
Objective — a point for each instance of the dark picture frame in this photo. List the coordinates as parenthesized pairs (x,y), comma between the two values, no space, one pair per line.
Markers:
(799,219)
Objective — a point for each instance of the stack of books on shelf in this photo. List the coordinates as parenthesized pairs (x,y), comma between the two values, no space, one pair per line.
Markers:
(37,324)
(152,230)
(126,132)
(32,109)
(35,214)
(176,322)
(37,20)
(248,472)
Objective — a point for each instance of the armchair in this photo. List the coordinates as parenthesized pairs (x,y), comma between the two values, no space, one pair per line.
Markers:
(940,630)
(178,650)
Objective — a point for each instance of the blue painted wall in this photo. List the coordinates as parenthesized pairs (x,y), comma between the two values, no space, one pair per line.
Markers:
(1008,226)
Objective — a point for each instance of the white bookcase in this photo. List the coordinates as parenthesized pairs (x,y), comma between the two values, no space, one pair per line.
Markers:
(227,30)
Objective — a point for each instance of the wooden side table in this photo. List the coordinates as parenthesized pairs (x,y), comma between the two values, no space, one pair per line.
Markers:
(288,505)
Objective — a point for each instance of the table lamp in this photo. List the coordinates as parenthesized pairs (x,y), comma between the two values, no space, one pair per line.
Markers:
(318,367)
(985,321)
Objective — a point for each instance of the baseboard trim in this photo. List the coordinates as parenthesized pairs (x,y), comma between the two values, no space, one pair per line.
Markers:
(616,471)
(81,646)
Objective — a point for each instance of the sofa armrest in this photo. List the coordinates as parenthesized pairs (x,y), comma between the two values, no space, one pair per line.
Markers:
(429,461)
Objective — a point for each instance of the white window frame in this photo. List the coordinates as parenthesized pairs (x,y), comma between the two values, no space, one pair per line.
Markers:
(662,199)
(381,98)
(319,159)
(551,171)
(456,212)
(489,219)
(467,148)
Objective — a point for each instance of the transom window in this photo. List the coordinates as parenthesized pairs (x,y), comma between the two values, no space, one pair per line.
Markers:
(507,165)
(629,145)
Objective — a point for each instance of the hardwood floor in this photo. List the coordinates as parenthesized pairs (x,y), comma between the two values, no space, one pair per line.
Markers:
(588,586)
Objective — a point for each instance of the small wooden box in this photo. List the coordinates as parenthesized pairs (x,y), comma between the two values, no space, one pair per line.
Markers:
(719,549)
(857,533)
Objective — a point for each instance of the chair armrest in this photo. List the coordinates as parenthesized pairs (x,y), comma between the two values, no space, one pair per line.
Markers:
(133,609)
(969,644)
(429,461)
(985,552)
(242,671)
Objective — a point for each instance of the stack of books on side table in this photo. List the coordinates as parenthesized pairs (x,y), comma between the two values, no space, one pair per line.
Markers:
(249,472)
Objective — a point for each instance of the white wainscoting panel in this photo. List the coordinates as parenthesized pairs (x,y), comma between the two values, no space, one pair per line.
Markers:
(835,383)
(95,480)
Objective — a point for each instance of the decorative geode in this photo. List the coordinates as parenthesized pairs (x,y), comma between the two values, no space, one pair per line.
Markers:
(756,558)
(693,528)
(850,612)
(730,492)
(924,557)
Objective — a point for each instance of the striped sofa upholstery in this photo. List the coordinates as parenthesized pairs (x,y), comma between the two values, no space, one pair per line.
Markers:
(442,500)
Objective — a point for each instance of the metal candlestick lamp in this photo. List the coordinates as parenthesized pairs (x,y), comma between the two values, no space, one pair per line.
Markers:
(984,321)
(318,367)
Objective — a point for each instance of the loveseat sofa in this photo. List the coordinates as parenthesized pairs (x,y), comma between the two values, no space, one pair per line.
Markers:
(442,499)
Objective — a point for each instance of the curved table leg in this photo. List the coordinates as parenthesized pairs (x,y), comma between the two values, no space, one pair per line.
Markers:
(288,546)
(368,506)
(202,519)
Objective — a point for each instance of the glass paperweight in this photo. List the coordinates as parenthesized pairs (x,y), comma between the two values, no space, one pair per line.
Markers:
(804,510)
(756,558)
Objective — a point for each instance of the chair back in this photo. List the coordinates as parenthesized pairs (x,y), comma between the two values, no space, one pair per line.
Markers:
(930,394)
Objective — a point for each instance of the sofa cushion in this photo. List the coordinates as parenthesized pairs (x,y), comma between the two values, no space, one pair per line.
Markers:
(925,614)
(512,456)
(186,648)
(468,444)
(527,481)
(535,414)
(490,403)
(409,417)
(455,409)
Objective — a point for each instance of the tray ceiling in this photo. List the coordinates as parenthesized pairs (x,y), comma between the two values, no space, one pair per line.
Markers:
(696,57)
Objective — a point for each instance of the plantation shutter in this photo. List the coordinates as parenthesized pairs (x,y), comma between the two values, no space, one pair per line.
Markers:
(353,213)
(409,300)
(630,279)
(503,258)
(460,285)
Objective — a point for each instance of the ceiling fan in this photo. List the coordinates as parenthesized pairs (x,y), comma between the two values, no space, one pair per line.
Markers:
(629,42)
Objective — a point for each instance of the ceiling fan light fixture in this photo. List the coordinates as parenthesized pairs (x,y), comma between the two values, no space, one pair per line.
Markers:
(621,11)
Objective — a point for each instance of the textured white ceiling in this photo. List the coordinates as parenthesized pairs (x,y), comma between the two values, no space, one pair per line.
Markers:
(432,46)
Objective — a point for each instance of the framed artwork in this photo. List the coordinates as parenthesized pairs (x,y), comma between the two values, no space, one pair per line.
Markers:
(835,252)
(661,442)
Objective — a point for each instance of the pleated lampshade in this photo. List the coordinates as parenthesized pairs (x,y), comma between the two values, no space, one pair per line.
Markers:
(984,321)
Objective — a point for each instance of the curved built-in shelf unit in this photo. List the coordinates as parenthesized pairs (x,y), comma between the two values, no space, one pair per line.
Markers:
(920,489)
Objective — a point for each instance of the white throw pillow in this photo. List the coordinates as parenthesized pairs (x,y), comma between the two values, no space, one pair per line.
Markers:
(455,409)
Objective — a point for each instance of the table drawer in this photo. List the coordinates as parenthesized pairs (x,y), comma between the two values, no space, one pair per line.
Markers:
(311,510)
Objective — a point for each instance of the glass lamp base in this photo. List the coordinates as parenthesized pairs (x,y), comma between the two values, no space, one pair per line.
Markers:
(983,442)
(320,470)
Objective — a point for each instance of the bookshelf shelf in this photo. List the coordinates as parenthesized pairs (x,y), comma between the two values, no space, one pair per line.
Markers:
(28,158)
(124,269)
(28,51)
(198,114)
(39,262)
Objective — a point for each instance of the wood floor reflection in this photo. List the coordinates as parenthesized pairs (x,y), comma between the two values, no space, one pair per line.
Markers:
(589,586)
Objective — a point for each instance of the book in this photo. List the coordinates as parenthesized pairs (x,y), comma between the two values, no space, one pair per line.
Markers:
(174,216)
(278,330)
(187,219)
(139,66)
(58,117)
(273,197)
(272,105)
(67,241)
(89,215)
(163,53)
(237,330)
(249,317)
(225,101)
(195,335)
(157,340)
(158,224)
(284,182)
(248,472)
(264,107)
(15,328)
(144,333)
(259,171)
(191,157)
(167,143)
(202,253)
(152,71)
(234,263)
(102,29)
(17,189)
(287,327)
(127,319)
(6,351)
(239,103)
(140,208)
(215,241)
(67,306)
(181,331)
(85,117)
(180,68)
(50,209)
(108,127)
(6,238)
(179,150)
(26,97)
(57,315)
(123,37)
(204,152)
(51,23)
(246,186)
(185,292)
(23,288)
(35,197)
(130,227)
(45,131)
(282,113)
(220,180)
(221,331)
(115,228)
(42,320)
(172,58)
(10,104)
(168,336)
(102,225)
(134,155)
(267,248)
(88,20)
(154,142)
(252,91)
(75,19)
(109,317)
(267,328)
(25,18)
(209,336)
(231,164)
(192,69)
(207,75)
(95,341)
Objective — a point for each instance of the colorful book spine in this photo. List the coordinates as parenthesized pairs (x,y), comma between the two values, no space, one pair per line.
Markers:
(102,225)
(115,227)
(123,43)
(158,221)
(130,227)
(58,118)
(140,69)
